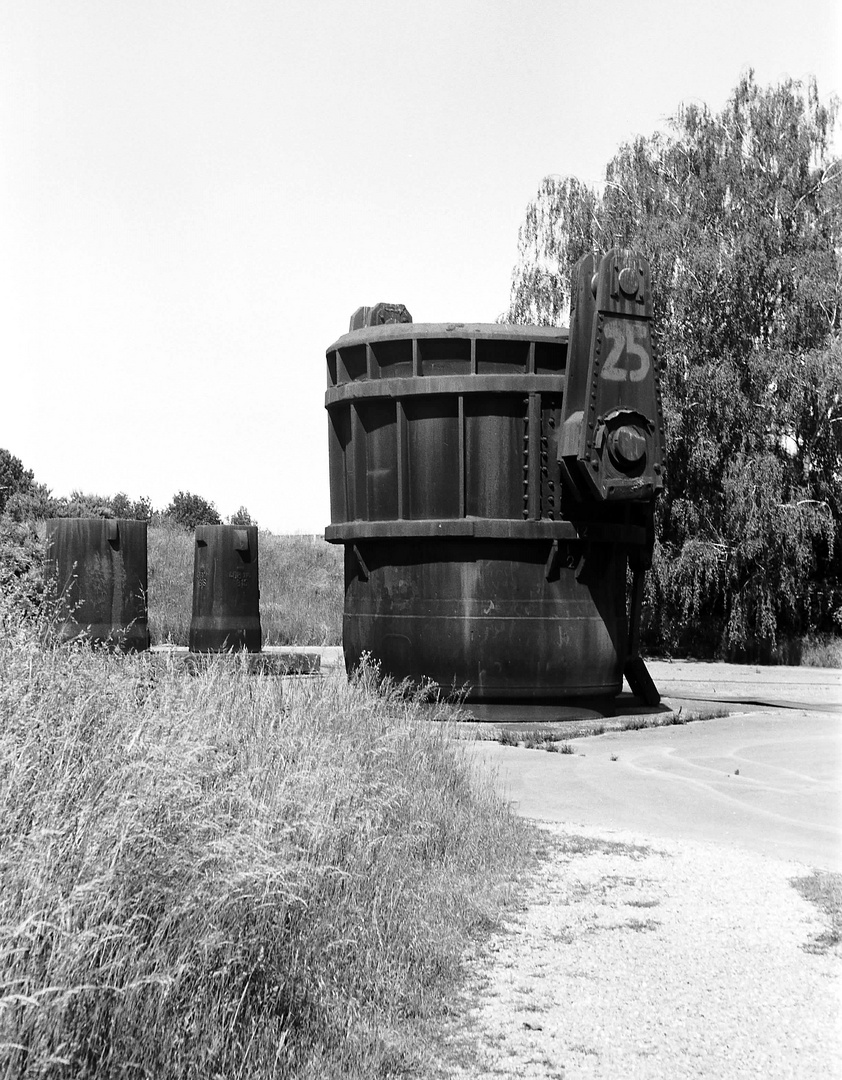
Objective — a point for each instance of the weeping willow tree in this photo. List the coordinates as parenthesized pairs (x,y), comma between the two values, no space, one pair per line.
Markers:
(740,215)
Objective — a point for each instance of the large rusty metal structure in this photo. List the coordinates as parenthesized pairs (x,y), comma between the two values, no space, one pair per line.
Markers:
(98,571)
(226,590)
(491,484)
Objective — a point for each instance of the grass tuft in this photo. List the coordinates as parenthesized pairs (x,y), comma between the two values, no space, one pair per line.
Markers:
(539,739)
(824,889)
(639,723)
(822,650)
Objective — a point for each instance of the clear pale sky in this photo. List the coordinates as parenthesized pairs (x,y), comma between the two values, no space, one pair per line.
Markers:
(196,194)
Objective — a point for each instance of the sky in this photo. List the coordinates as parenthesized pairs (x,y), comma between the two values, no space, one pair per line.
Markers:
(195,195)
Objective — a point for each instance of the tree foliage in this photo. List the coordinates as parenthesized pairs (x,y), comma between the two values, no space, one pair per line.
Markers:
(189,510)
(38,503)
(740,215)
(241,517)
(14,478)
(133,509)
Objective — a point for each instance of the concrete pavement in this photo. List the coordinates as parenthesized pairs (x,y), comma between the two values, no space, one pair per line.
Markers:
(768,780)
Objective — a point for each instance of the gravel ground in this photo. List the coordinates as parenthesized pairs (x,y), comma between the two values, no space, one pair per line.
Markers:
(639,959)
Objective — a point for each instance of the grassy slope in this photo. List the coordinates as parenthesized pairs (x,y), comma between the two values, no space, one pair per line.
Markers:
(301,588)
(224,875)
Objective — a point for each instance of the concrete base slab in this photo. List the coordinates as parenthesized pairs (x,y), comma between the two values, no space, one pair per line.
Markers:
(796,687)
(273,660)
(686,687)
(768,782)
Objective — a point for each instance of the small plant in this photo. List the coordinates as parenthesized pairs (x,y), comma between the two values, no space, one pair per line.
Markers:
(536,739)
(509,737)
(545,739)
(824,889)
(575,844)
(640,925)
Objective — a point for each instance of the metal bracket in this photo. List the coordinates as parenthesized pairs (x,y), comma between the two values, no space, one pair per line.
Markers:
(640,681)
(637,676)
(361,566)
(551,569)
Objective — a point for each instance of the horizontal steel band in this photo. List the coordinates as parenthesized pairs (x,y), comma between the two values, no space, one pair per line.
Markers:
(491,529)
(102,630)
(231,623)
(464,331)
(411,385)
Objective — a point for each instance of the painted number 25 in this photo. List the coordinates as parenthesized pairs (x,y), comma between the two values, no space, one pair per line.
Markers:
(623,335)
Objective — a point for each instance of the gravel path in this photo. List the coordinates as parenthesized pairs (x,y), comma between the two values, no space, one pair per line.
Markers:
(638,959)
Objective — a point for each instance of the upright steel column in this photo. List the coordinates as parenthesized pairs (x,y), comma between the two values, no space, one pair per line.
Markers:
(226,592)
(98,569)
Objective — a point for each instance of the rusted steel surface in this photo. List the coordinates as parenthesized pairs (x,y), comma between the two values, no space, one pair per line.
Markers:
(612,442)
(98,570)
(378,315)
(226,591)
(491,484)
(485,616)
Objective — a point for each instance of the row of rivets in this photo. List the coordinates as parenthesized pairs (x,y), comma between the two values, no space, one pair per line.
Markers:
(526,464)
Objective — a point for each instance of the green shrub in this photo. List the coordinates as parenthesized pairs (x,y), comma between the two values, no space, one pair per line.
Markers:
(34,504)
(21,567)
(242,517)
(188,511)
(14,478)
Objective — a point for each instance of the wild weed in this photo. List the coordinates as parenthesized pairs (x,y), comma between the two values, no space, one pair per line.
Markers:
(229,875)
(824,889)
(821,650)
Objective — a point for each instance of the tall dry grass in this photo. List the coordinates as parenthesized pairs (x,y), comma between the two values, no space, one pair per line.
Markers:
(301,588)
(226,875)
(821,650)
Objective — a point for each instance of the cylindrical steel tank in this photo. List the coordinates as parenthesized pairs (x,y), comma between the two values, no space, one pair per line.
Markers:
(226,593)
(466,560)
(98,569)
